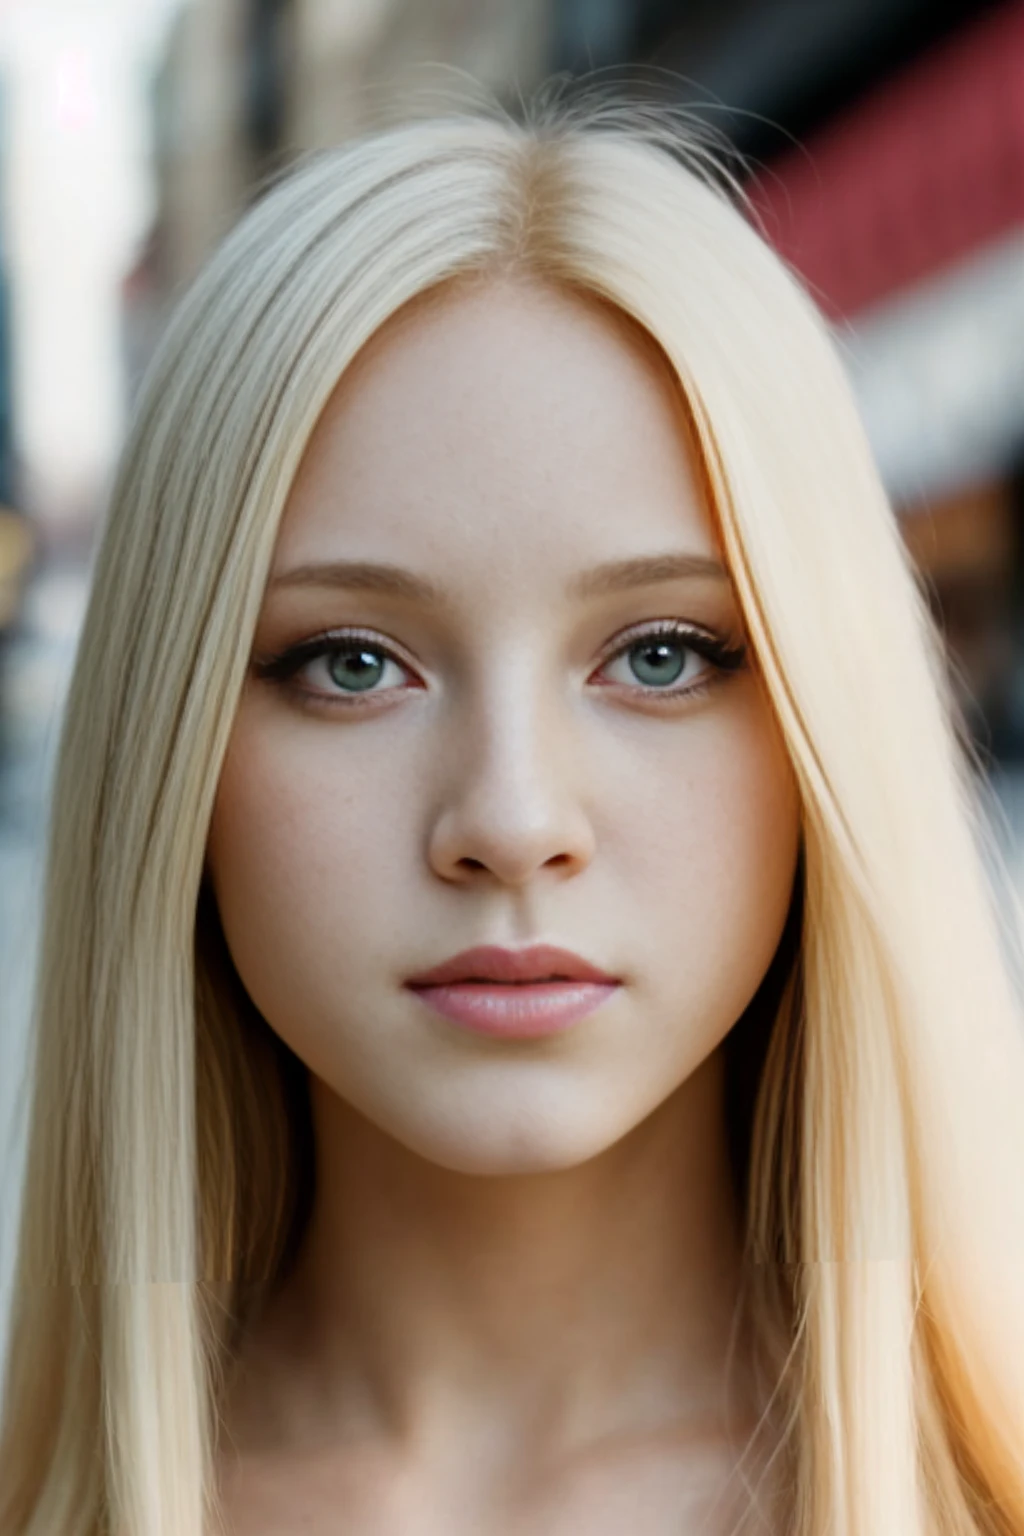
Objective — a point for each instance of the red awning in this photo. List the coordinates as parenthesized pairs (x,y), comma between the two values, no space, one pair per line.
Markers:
(920,173)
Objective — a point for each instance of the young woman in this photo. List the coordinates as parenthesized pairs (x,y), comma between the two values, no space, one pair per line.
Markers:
(524,1038)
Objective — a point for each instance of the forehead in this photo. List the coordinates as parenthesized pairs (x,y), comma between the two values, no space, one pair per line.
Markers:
(500,416)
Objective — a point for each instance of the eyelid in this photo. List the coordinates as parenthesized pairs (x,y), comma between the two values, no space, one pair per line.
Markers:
(285,663)
(682,628)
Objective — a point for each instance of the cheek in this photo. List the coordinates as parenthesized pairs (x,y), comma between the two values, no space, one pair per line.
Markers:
(714,868)
(295,853)
(746,836)
(760,809)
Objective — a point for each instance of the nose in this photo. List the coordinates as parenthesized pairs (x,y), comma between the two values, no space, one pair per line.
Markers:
(513,802)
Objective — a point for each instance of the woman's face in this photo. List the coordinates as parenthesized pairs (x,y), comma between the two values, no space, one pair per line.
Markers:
(515,757)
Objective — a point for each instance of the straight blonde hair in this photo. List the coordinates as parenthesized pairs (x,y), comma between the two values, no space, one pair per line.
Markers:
(167,1168)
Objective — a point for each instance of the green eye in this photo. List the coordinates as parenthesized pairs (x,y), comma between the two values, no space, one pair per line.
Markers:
(355,667)
(657,663)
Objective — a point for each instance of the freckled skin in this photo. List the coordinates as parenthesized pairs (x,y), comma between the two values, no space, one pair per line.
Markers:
(500,446)
(506,785)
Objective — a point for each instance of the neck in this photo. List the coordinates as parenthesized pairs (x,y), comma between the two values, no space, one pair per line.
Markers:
(563,1306)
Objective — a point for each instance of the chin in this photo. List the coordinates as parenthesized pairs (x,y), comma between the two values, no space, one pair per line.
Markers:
(527,1144)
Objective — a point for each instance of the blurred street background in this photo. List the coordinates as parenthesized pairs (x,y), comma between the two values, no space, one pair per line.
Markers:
(883,141)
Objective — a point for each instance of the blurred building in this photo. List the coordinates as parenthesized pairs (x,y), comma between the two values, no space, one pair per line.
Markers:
(248,84)
(16,540)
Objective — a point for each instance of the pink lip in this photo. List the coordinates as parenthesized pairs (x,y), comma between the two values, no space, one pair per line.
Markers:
(489,962)
(516,1010)
(517,994)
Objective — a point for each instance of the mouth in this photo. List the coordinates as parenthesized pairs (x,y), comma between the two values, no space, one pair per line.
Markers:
(515,994)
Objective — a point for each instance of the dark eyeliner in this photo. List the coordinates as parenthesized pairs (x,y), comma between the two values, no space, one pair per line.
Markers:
(722,654)
(283,665)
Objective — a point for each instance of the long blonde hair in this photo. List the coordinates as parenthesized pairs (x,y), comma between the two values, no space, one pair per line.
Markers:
(884,1191)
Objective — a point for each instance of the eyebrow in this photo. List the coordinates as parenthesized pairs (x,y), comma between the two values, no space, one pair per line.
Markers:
(599,581)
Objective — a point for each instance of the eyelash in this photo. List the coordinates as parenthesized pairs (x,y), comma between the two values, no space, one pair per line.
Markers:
(281,669)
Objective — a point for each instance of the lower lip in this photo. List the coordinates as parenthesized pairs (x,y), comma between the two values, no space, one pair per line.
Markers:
(517,1011)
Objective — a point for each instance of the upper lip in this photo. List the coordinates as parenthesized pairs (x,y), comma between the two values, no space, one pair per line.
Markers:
(488,962)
